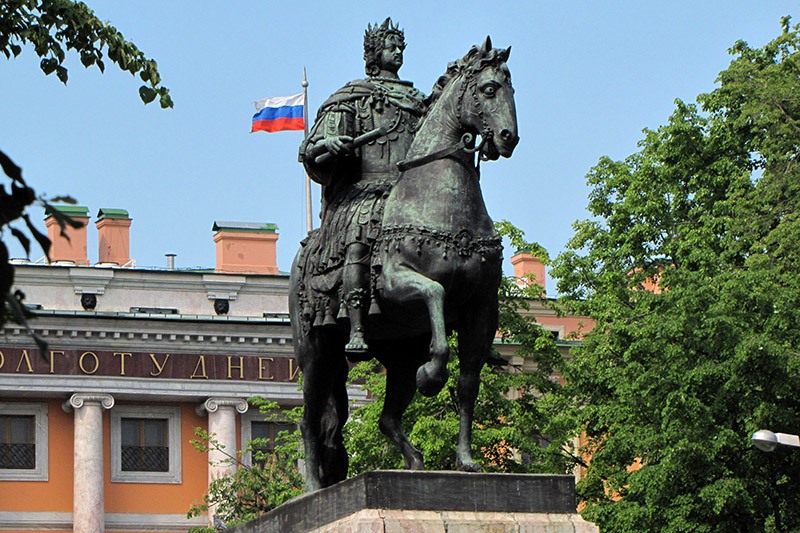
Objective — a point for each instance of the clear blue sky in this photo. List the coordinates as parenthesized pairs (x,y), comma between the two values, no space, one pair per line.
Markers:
(589,76)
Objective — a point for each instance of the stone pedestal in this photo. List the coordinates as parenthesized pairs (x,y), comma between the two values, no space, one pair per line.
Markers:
(431,502)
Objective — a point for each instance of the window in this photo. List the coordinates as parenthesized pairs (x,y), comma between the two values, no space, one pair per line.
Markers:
(268,431)
(255,427)
(23,442)
(17,442)
(145,444)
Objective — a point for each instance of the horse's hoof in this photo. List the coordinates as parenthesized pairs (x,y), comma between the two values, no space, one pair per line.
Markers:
(312,486)
(416,465)
(470,467)
(429,385)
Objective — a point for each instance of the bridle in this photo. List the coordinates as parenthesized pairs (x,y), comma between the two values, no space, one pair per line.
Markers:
(467,141)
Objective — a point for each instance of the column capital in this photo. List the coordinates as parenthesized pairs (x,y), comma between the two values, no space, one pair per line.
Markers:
(78,400)
(213,404)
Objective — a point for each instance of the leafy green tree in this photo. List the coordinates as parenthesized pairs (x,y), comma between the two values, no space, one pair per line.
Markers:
(689,267)
(253,490)
(54,27)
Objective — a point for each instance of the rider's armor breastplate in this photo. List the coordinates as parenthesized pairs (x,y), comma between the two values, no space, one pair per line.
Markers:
(380,157)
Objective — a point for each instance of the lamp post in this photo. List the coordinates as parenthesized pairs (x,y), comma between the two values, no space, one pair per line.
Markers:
(766,441)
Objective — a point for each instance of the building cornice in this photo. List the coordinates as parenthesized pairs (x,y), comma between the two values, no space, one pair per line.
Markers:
(28,386)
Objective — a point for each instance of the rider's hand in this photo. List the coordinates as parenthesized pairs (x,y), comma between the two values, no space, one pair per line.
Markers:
(339,146)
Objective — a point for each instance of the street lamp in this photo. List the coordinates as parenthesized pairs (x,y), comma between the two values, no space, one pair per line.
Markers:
(766,441)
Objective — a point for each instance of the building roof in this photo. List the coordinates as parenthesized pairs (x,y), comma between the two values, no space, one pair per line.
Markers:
(245,227)
(107,212)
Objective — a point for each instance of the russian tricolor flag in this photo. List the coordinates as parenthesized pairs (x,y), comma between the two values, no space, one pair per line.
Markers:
(279,113)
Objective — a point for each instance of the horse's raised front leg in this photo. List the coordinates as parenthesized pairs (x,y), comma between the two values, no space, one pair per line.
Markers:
(475,338)
(404,285)
(400,389)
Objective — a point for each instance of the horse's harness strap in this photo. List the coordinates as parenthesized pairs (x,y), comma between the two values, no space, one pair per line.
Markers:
(466,140)
(463,144)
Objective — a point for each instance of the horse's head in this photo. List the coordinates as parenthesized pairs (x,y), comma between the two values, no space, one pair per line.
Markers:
(482,98)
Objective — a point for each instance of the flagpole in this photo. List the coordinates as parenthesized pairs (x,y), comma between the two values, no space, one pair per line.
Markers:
(309,224)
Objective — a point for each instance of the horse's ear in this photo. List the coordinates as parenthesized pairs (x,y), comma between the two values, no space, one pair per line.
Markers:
(487,44)
(508,52)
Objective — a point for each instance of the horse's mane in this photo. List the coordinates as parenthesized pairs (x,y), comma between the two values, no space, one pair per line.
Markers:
(477,59)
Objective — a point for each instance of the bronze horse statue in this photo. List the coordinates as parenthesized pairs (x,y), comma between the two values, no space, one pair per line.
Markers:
(437,269)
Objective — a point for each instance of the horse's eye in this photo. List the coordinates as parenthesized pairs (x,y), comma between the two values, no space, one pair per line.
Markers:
(489,90)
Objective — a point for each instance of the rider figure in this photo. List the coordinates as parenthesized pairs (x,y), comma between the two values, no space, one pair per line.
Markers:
(357,179)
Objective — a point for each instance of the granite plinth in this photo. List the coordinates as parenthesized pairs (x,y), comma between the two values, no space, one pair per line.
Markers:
(427,502)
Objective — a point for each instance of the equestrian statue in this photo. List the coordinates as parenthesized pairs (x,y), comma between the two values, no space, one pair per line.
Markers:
(406,252)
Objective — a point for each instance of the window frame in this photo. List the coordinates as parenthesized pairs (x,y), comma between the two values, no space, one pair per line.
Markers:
(173,418)
(41,471)
(246,421)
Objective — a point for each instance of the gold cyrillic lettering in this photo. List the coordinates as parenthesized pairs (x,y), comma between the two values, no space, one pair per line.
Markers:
(201,365)
(96,362)
(240,366)
(293,372)
(27,360)
(53,360)
(122,361)
(159,367)
(261,368)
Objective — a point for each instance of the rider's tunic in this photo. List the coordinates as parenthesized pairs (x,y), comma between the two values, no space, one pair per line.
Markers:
(356,187)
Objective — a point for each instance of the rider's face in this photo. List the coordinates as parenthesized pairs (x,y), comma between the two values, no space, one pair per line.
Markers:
(392,54)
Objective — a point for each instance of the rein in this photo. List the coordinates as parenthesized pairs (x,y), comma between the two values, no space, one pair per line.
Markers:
(467,140)
(464,144)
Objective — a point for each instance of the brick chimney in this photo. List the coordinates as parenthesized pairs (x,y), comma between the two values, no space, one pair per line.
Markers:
(246,247)
(113,236)
(524,264)
(74,248)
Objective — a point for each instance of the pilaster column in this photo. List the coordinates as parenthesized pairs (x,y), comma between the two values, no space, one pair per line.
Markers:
(88,514)
(222,428)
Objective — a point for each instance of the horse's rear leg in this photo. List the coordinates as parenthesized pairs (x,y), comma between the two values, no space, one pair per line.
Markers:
(403,285)
(400,389)
(322,374)
(475,338)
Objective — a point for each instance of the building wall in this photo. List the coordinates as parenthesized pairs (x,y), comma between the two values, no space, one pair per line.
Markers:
(153,340)
(55,494)
(161,498)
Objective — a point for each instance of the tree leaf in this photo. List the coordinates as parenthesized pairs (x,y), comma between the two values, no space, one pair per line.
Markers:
(147,94)
(23,240)
(48,65)
(14,305)
(41,238)
(63,200)
(10,168)
(62,74)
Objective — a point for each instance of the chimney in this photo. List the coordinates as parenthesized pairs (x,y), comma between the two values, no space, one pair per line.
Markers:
(73,248)
(246,247)
(113,236)
(524,264)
